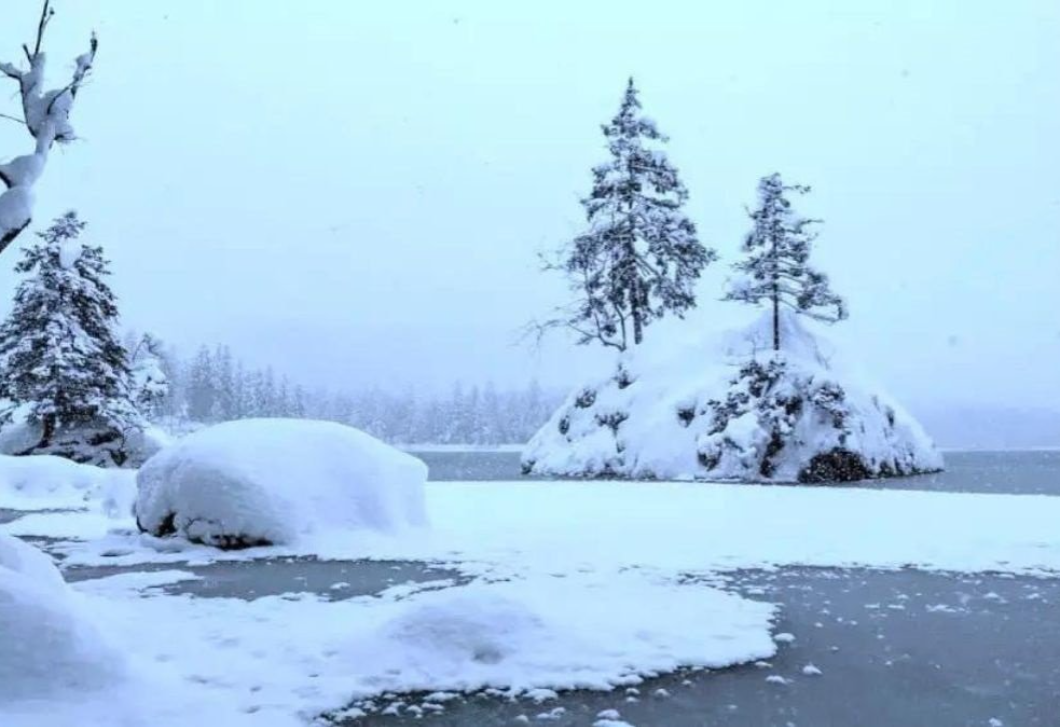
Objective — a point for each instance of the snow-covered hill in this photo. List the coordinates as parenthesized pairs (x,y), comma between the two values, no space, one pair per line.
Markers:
(724,407)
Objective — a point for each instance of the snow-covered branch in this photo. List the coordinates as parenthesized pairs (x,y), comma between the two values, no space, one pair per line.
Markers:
(46,115)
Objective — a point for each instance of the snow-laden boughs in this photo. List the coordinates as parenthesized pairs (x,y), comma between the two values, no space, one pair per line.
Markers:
(774,409)
(46,116)
(640,257)
(681,412)
(63,367)
(777,270)
(148,378)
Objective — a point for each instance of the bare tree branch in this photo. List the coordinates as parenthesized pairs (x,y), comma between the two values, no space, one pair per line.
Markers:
(46,116)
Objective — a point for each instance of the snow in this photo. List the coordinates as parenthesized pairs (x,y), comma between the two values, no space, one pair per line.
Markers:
(42,482)
(663,414)
(70,252)
(557,632)
(600,591)
(271,481)
(50,645)
(277,660)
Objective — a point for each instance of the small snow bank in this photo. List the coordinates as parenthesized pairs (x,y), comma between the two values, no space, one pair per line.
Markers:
(268,481)
(50,647)
(558,633)
(726,407)
(42,482)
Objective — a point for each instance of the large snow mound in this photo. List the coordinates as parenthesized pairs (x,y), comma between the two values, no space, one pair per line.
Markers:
(726,407)
(558,632)
(269,481)
(42,482)
(49,646)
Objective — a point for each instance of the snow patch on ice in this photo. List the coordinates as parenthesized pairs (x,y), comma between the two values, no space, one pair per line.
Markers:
(559,633)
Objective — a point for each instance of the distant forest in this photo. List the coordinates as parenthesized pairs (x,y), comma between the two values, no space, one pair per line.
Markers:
(216,386)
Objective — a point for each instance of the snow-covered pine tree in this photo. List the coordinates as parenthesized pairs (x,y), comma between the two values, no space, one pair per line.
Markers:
(64,368)
(777,270)
(223,408)
(640,257)
(148,379)
(201,392)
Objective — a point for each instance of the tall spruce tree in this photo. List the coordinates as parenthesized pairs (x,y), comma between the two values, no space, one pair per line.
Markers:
(777,270)
(641,256)
(64,367)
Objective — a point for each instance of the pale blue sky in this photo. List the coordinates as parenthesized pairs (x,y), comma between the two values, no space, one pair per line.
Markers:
(356,192)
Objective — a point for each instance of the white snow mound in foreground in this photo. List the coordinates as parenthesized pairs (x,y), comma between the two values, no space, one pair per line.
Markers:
(558,633)
(725,407)
(48,647)
(269,481)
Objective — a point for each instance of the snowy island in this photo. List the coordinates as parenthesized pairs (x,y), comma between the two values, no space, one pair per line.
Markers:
(728,408)
(770,403)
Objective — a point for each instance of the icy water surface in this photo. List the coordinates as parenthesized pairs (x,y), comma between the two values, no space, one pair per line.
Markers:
(1022,473)
(335,580)
(869,648)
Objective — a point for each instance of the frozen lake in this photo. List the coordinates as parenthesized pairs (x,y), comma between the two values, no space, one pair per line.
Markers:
(892,648)
(1023,473)
(899,647)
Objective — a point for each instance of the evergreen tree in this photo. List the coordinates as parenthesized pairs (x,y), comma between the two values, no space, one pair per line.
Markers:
(201,393)
(224,408)
(641,257)
(63,365)
(241,399)
(776,269)
(148,378)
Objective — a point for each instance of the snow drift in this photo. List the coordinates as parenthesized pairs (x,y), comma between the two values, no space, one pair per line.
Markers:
(42,482)
(268,481)
(49,646)
(729,408)
(556,632)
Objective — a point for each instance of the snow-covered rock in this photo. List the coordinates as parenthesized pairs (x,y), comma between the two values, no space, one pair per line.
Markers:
(726,407)
(20,435)
(49,646)
(268,481)
(41,482)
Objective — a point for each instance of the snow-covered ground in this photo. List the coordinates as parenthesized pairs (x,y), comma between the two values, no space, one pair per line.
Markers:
(44,482)
(569,579)
(518,527)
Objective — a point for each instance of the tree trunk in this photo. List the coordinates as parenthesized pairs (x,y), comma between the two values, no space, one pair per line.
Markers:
(635,312)
(48,431)
(776,319)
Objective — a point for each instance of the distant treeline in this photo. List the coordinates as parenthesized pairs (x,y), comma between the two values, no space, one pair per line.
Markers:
(215,386)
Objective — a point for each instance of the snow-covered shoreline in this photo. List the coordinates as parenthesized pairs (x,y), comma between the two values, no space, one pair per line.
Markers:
(566,577)
(515,527)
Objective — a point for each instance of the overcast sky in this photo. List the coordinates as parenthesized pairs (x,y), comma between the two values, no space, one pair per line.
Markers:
(356,192)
